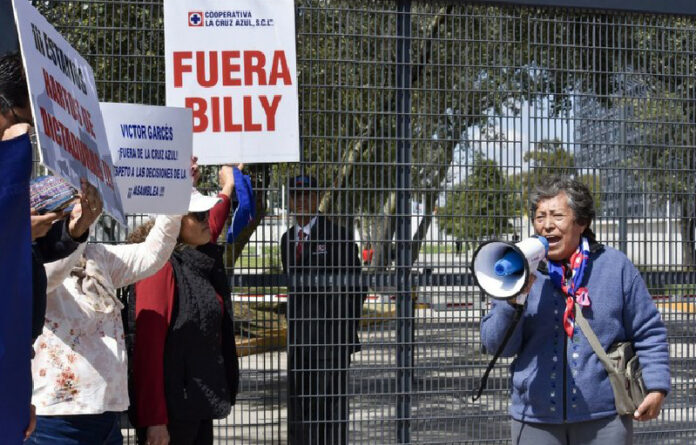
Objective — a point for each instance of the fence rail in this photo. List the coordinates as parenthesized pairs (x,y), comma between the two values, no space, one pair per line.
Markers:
(426,124)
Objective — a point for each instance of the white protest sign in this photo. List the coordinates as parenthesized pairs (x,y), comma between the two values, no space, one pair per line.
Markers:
(151,149)
(64,101)
(234,65)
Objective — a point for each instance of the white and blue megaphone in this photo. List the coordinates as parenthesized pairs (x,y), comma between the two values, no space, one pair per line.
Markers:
(503,269)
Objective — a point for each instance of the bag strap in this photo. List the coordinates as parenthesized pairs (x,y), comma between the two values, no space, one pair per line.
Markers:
(592,338)
(511,328)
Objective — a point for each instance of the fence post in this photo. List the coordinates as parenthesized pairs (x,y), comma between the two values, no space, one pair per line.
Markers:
(404,302)
(623,216)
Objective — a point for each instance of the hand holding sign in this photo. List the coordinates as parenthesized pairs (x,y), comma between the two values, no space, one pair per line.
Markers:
(226,177)
(86,211)
(195,170)
(69,126)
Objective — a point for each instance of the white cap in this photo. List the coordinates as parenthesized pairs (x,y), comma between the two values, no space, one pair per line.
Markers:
(200,202)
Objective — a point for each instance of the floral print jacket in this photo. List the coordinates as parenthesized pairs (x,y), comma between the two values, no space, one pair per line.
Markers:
(80,363)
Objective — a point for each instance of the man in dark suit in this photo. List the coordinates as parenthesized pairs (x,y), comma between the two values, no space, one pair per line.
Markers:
(322,264)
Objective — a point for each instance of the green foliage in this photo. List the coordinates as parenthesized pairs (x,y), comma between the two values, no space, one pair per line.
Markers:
(479,205)
(123,42)
(470,65)
(549,158)
(438,248)
(265,259)
(663,156)
(665,135)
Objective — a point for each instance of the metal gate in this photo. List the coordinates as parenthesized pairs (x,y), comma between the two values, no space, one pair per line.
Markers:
(426,123)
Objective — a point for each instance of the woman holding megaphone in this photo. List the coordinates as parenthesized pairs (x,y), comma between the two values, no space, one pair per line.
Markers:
(561,391)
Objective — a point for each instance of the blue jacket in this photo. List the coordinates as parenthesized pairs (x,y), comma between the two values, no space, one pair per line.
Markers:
(555,379)
(15,298)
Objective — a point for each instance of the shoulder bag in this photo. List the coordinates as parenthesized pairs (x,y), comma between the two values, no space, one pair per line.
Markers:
(621,364)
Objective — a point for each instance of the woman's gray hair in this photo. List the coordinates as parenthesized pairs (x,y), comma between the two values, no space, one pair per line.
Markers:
(580,199)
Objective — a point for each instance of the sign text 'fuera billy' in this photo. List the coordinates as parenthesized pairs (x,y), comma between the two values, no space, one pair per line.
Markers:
(233,113)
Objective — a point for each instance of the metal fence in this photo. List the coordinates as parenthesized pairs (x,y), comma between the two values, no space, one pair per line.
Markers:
(426,123)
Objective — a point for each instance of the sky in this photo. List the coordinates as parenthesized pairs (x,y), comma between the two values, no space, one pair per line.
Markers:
(513,136)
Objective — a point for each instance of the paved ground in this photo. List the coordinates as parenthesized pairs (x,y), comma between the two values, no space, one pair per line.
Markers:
(447,366)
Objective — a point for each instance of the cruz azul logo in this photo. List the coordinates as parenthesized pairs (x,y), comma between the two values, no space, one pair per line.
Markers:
(195,18)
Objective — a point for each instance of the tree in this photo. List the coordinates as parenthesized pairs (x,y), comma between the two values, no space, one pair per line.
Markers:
(480,205)
(549,157)
(470,65)
(124,45)
(665,136)
(122,41)
(451,91)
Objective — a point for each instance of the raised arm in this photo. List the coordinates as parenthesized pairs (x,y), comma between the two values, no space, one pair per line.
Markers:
(63,237)
(219,213)
(218,216)
(128,263)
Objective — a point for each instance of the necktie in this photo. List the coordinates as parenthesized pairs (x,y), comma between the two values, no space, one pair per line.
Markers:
(298,244)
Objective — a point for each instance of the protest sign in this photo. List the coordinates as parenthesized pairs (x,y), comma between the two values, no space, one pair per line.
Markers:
(234,65)
(64,101)
(151,149)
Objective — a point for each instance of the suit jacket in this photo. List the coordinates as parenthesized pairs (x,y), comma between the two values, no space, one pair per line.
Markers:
(319,314)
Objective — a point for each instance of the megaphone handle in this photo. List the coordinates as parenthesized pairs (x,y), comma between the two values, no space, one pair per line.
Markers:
(513,324)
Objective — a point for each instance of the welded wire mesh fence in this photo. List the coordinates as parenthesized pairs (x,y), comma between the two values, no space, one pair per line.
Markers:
(426,124)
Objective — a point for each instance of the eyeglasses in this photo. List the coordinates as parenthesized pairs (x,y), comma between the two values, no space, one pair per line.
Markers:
(200,216)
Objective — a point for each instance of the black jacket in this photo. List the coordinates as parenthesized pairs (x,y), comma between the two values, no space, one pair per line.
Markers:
(55,245)
(200,358)
(322,312)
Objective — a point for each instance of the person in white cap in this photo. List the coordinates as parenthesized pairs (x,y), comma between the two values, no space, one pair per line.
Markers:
(185,370)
